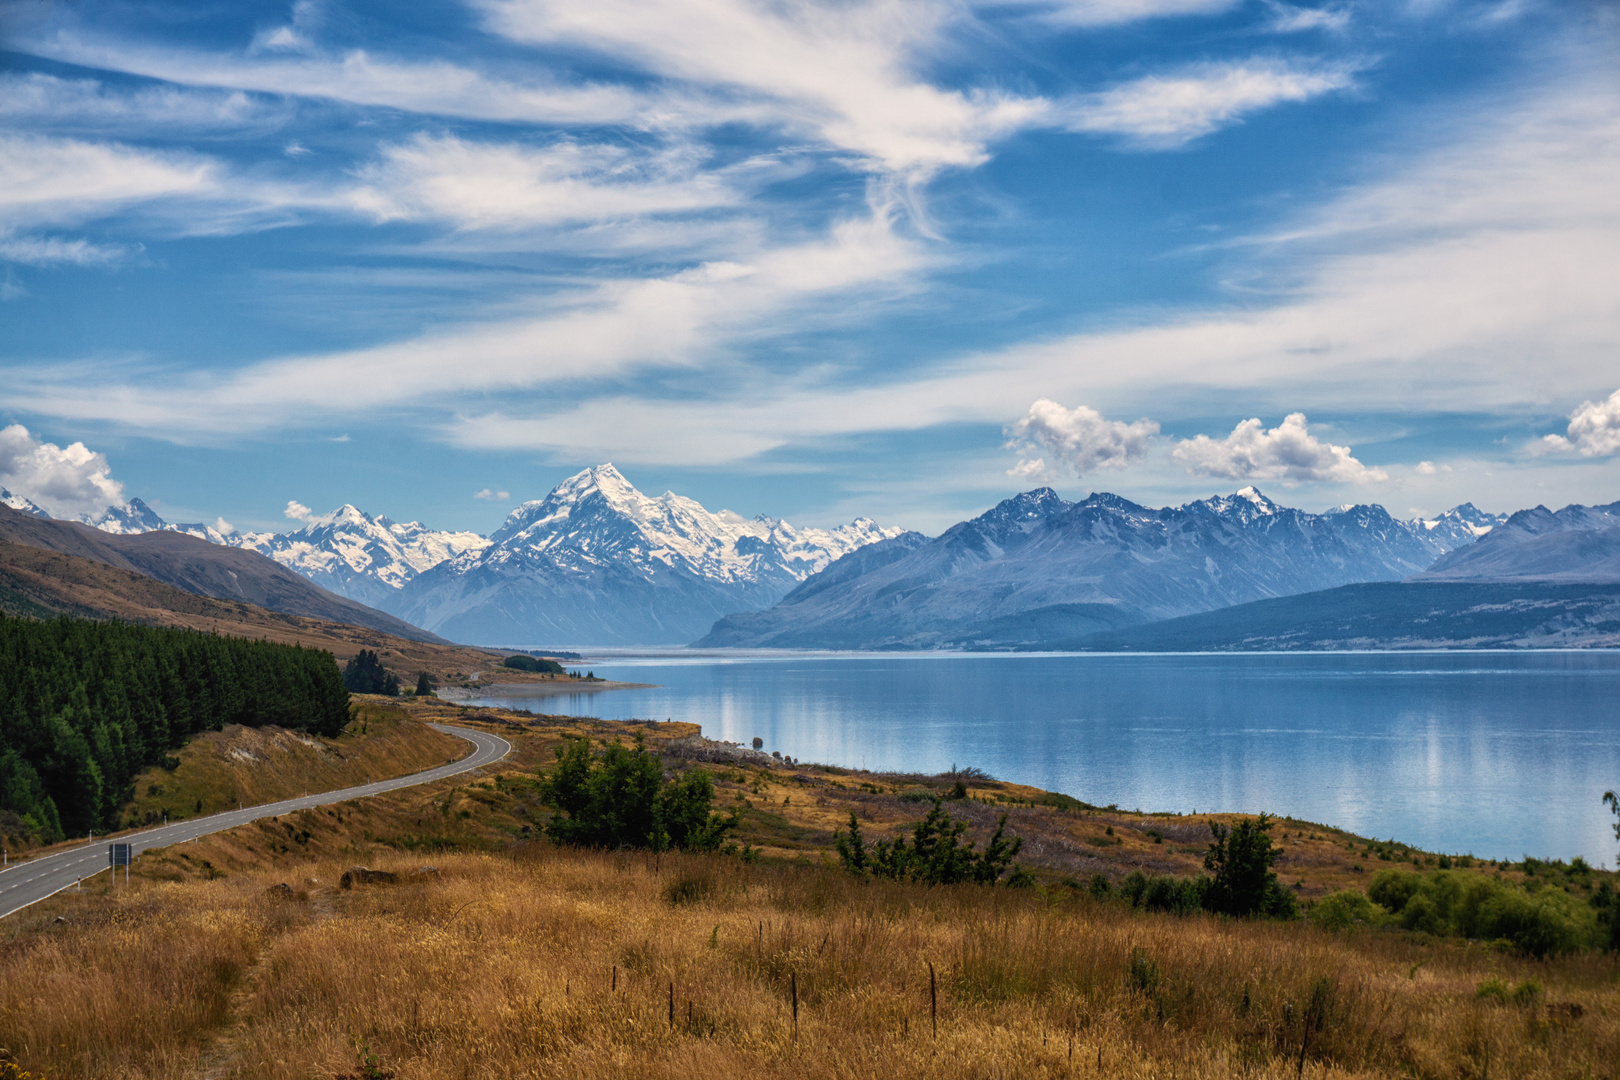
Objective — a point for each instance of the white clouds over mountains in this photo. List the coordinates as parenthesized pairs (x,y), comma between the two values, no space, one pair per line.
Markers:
(1078,440)
(67,482)
(1594,429)
(1081,440)
(1288,452)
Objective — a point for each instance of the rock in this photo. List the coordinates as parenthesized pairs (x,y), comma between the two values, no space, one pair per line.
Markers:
(425,872)
(362,875)
(283,891)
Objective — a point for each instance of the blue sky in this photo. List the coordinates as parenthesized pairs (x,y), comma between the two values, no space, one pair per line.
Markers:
(898,258)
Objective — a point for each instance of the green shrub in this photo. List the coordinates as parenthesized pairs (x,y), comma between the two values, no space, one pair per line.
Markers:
(620,799)
(1545,922)
(936,853)
(1345,909)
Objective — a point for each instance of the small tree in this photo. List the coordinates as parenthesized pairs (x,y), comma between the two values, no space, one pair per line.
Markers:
(1240,858)
(620,799)
(851,847)
(424,685)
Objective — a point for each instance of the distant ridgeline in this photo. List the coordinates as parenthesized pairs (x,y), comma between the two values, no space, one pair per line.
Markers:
(85,706)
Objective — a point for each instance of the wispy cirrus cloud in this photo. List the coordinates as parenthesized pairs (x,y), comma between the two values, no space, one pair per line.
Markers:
(846,72)
(357,77)
(483,185)
(55,251)
(1163,111)
(1098,13)
(682,321)
(48,180)
(37,101)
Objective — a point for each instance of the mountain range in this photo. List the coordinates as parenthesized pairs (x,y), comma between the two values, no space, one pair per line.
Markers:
(1035,569)
(597,562)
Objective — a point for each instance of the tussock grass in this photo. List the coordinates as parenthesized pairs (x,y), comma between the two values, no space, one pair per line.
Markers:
(504,965)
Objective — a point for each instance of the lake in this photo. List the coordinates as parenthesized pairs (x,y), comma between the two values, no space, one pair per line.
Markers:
(1492,753)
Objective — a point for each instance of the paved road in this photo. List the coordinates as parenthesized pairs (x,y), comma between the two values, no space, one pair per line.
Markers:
(31,881)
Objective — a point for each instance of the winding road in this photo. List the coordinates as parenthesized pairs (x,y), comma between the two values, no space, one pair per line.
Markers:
(33,880)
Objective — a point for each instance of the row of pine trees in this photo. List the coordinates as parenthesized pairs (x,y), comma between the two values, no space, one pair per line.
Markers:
(86,705)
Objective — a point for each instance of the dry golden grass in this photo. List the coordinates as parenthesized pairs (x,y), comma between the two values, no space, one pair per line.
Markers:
(522,960)
(505,966)
(260,765)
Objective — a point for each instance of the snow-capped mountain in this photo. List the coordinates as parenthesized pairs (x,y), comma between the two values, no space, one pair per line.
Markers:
(132,517)
(1458,527)
(353,554)
(1036,568)
(597,562)
(1576,544)
(17,502)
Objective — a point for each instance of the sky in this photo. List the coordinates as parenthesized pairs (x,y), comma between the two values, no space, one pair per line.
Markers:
(892,258)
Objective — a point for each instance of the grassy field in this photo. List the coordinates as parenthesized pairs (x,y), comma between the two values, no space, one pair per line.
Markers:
(516,958)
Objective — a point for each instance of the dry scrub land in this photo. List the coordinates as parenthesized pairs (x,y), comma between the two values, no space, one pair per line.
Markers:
(521,959)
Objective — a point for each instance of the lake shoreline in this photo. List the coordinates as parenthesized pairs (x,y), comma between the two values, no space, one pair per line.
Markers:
(537,689)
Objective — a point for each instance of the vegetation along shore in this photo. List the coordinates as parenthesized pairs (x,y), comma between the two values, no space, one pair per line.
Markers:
(633,899)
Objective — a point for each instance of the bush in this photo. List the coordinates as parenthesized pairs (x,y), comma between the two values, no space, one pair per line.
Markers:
(936,854)
(1543,923)
(620,799)
(1345,909)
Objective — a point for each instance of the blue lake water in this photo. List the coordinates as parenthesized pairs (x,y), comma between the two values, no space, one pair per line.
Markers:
(1497,754)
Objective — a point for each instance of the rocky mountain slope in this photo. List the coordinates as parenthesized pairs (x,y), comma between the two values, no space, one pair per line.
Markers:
(1576,544)
(1038,569)
(597,562)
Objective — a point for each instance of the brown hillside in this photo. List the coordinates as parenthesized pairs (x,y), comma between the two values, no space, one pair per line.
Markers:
(39,583)
(196,566)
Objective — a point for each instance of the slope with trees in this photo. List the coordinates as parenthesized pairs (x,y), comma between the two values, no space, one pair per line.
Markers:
(85,706)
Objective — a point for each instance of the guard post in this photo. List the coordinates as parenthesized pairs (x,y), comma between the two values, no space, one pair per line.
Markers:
(120,855)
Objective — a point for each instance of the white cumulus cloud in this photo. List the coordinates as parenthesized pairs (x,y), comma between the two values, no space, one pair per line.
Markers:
(66,482)
(297,511)
(1288,452)
(1594,429)
(1079,440)
(491,495)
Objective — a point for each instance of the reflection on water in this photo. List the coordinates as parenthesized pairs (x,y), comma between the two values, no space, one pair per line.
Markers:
(1498,754)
